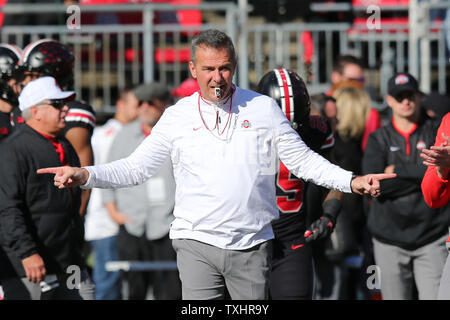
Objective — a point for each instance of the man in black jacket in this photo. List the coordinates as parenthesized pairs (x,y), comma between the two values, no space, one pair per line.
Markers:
(408,236)
(40,228)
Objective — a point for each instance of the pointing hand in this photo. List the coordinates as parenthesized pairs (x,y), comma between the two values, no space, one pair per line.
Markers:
(67,176)
(370,183)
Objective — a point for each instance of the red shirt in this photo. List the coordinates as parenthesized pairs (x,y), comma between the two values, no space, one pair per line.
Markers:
(436,191)
(373,123)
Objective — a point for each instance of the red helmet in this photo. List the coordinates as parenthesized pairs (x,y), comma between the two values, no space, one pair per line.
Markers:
(289,91)
(50,58)
(9,58)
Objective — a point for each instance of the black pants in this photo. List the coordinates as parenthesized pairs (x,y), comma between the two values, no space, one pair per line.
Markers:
(292,272)
(166,284)
(292,264)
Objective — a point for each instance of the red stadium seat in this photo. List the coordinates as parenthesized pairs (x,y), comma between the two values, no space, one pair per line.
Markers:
(381,3)
(2,15)
(171,55)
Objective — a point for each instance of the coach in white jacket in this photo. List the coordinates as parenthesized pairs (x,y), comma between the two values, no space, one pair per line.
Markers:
(224,143)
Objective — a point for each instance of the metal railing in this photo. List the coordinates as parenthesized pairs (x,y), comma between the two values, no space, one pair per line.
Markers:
(423,36)
(108,57)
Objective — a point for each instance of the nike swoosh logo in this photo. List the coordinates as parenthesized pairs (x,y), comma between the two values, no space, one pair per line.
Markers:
(297,246)
(393,148)
(196,129)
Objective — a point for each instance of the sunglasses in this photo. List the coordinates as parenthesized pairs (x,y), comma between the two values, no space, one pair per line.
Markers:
(362,79)
(410,95)
(57,104)
(141,102)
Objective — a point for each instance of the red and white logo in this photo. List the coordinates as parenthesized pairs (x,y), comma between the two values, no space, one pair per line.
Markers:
(421,145)
(401,79)
(246,124)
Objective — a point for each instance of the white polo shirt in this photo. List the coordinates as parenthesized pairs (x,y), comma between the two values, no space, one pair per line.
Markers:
(225,177)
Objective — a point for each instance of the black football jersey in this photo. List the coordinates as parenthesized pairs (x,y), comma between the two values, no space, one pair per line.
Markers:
(289,189)
(5,124)
(80,114)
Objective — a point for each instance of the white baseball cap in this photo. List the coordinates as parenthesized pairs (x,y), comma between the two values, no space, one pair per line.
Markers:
(41,89)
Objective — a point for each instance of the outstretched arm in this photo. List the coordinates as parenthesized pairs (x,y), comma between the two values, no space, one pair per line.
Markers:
(310,166)
(132,170)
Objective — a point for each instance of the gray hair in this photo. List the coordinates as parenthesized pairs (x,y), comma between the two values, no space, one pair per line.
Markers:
(26,114)
(215,39)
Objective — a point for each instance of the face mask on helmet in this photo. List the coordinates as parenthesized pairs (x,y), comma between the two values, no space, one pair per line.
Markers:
(49,58)
(9,58)
(288,89)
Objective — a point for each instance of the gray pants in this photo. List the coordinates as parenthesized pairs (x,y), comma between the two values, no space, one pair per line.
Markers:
(206,271)
(400,269)
(23,289)
(444,285)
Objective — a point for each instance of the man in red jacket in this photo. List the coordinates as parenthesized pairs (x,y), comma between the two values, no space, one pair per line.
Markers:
(435,186)
(436,189)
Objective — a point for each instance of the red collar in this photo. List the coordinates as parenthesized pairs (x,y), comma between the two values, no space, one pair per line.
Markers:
(405,135)
(58,147)
(146,132)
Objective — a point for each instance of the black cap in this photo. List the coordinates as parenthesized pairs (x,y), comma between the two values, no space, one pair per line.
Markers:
(402,82)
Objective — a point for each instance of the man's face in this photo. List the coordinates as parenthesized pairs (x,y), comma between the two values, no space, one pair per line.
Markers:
(130,106)
(52,116)
(349,72)
(150,112)
(213,68)
(405,105)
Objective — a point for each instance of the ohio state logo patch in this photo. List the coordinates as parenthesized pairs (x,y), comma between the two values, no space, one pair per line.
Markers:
(421,145)
(246,124)
(401,79)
